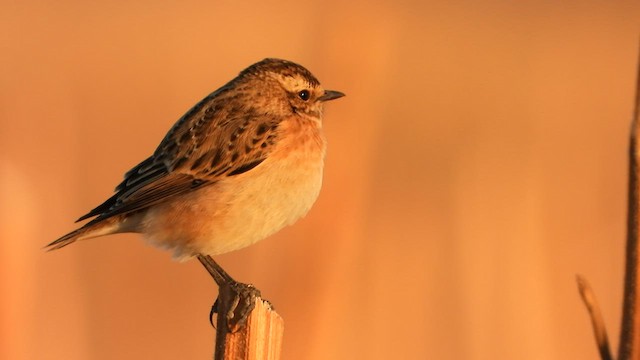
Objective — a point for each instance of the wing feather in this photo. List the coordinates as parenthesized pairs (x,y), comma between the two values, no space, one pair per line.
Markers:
(219,137)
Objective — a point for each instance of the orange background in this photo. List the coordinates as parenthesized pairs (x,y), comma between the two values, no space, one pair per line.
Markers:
(476,165)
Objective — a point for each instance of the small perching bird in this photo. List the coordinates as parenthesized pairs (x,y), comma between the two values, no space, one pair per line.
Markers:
(243,163)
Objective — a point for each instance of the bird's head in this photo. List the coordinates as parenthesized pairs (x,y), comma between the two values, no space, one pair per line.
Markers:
(290,85)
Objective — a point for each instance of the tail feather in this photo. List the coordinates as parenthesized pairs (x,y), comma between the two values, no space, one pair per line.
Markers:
(66,240)
(88,231)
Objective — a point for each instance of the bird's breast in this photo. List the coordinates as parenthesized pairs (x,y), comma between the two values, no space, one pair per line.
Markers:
(240,210)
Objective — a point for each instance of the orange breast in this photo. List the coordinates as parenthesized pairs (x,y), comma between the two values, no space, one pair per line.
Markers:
(239,210)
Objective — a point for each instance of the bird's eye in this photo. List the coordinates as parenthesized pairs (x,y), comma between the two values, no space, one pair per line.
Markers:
(304,95)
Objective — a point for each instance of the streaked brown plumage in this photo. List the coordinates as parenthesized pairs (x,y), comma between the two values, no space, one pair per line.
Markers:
(244,162)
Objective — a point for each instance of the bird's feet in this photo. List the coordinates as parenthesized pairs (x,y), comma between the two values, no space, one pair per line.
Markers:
(236,300)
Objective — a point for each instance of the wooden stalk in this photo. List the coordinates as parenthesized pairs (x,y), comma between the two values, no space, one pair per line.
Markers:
(629,347)
(259,339)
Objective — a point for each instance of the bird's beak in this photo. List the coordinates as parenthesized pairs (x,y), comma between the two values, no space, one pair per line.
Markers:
(330,95)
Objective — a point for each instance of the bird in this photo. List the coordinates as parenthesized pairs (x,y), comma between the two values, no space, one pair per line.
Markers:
(244,162)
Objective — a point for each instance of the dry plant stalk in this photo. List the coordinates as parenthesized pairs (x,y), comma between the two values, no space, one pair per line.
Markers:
(599,331)
(629,348)
(629,333)
(259,339)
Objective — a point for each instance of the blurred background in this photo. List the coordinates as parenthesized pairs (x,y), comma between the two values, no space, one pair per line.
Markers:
(476,166)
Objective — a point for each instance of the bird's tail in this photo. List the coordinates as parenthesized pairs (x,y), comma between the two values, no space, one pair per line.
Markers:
(90,230)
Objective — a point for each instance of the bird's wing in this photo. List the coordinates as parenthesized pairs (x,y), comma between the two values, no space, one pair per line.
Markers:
(217,138)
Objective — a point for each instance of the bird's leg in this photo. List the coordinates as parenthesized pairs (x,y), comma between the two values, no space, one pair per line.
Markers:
(235,300)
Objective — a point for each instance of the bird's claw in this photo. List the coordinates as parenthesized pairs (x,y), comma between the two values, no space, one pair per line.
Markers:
(240,299)
(214,310)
